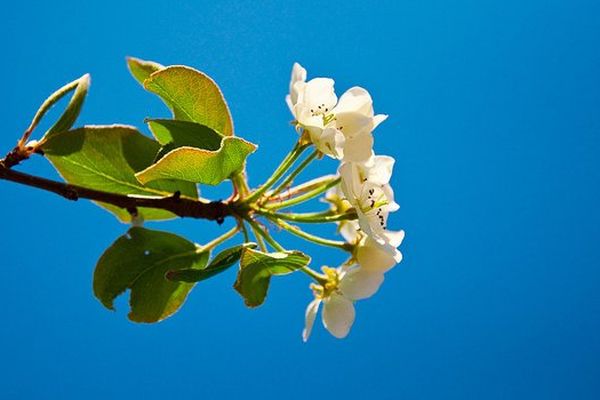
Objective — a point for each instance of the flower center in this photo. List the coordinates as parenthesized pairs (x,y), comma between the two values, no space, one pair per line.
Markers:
(329,287)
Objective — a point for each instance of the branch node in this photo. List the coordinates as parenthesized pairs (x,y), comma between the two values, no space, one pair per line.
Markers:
(70,193)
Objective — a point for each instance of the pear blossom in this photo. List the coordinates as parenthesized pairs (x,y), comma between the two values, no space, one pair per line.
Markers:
(370,254)
(340,129)
(366,187)
(344,285)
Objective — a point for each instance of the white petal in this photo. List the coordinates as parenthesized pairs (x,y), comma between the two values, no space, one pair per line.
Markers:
(298,75)
(350,182)
(353,123)
(389,196)
(359,148)
(338,315)
(377,257)
(319,95)
(331,142)
(305,117)
(349,231)
(359,283)
(378,119)
(311,313)
(395,238)
(380,170)
(355,99)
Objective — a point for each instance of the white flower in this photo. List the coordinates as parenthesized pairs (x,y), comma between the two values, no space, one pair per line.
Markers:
(355,118)
(370,254)
(344,285)
(341,130)
(366,187)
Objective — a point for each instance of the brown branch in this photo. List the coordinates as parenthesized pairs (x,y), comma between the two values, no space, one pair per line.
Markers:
(183,207)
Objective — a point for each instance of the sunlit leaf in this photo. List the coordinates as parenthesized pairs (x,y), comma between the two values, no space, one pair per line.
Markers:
(257,268)
(192,96)
(69,116)
(138,261)
(200,165)
(142,69)
(220,263)
(106,158)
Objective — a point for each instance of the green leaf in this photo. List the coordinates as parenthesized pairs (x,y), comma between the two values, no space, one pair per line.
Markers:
(71,112)
(142,69)
(220,263)
(106,158)
(256,269)
(192,96)
(191,164)
(138,261)
(73,109)
(184,133)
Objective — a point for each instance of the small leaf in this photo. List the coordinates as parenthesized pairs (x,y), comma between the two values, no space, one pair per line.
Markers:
(138,261)
(191,164)
(73,109)
(192,96)
(142,69)
(71,112)
(220,263)
(256,269)
(106,158)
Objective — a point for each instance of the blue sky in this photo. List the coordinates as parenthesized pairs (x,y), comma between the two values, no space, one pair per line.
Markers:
(495,127)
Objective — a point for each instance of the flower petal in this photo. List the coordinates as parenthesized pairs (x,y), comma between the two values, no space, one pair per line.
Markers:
(311,313)
(349,230)
(331,142)
(359,148)
(298,76)
(338,315)
(377,257)
(353,123)
(395,238)
(379,118)
(359,283)
(319,95)
(355,99)
(380,169)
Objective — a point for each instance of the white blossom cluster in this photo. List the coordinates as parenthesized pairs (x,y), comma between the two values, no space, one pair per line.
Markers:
(343,129)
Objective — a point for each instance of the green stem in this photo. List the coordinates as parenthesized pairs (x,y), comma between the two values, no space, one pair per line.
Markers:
(294,173)
(259,240)
(304,197)
(320,278)
(265,235)
(309,218)
(310,237)
(217,241)
(240,185)
(242,227)
(287,162)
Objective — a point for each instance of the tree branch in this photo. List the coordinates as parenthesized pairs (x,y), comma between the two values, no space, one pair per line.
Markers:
(183,207)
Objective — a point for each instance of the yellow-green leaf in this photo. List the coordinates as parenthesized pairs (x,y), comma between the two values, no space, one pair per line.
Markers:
(69,116)
(142,69)
(196,165)
(192,96)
